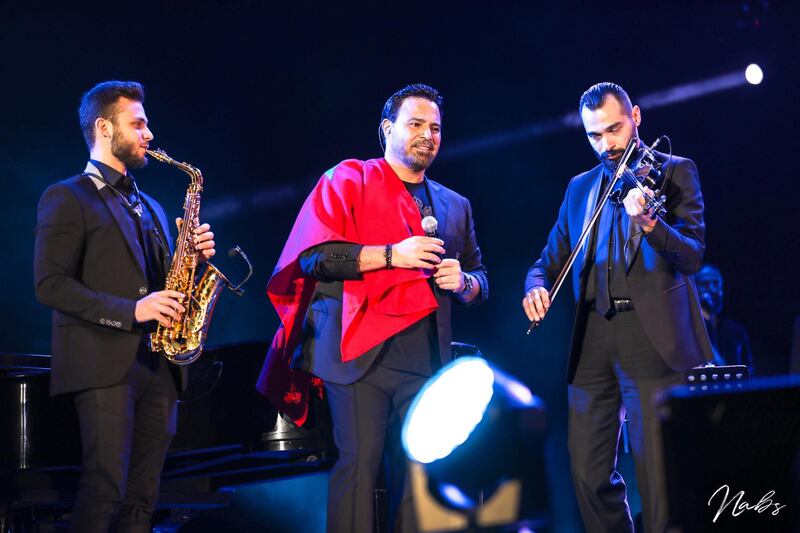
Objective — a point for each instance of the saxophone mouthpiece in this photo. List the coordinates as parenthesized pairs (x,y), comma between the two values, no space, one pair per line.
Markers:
(160,155)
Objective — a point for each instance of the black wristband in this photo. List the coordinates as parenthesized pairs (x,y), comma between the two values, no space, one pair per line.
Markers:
(387,254)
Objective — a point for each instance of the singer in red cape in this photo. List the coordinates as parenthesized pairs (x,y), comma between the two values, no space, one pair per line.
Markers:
(364,297)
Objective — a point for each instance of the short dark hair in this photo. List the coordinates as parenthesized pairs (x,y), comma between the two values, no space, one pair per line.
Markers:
(595,95)
(415,90)
(101,102)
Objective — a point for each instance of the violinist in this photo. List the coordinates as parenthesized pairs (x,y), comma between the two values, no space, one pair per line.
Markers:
(638,321)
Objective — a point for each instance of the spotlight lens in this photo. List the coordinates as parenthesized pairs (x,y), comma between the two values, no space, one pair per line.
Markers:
(753,74)
(447,409)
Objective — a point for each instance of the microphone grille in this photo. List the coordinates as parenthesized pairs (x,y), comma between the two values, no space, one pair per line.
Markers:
(429,225)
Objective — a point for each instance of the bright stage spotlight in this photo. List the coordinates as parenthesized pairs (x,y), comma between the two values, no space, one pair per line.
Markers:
(475,437)
(753,74)
(447,409)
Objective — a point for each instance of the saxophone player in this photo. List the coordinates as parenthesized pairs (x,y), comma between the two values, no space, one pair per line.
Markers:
(101,256)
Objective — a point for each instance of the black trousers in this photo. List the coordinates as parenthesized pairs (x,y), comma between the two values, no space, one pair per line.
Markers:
(362,413)
(126,430)
(619,372)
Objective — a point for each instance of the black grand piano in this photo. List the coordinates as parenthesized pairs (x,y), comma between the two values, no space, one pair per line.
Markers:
(228,435)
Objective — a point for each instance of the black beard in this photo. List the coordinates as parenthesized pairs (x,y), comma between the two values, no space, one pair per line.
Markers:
(415,161)
(610,164)
(418,163)
(125,153)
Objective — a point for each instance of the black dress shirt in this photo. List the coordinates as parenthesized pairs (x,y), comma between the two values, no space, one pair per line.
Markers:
(609,249)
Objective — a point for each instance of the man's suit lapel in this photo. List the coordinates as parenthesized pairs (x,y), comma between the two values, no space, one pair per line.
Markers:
(633,239)
(121,217)
(633,243)
(440,205)
(591,203)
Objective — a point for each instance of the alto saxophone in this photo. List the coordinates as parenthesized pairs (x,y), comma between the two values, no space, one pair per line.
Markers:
(182,342)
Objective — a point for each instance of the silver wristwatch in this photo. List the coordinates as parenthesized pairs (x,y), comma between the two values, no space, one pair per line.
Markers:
(468,283)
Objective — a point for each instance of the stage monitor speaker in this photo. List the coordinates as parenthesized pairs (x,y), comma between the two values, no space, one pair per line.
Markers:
(732,458)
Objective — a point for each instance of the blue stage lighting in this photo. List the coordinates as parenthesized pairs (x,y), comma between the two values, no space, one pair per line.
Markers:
(475,437)
(753,74)
(447,409)
(455,496)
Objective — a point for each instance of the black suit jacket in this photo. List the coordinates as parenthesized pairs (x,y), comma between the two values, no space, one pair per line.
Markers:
(660,265)
(320,350)
(90,269)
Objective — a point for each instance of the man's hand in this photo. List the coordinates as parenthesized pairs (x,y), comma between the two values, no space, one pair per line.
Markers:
(448,275)
(163,306)
(417,252)
(536,303)
(203,240)
(635,206)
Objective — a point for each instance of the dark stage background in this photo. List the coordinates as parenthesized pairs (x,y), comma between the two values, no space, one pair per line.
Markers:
(264,101)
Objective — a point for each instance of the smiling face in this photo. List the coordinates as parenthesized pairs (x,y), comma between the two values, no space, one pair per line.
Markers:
(413,139)
(609,128)
(130,135)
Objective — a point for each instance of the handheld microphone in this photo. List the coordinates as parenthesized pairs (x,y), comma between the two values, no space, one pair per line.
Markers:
(430,226)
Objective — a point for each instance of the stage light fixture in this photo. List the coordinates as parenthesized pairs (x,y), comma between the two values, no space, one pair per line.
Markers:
(753,74)
(475,439)
(447,409)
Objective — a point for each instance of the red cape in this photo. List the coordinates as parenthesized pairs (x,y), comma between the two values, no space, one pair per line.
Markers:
(359,202)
